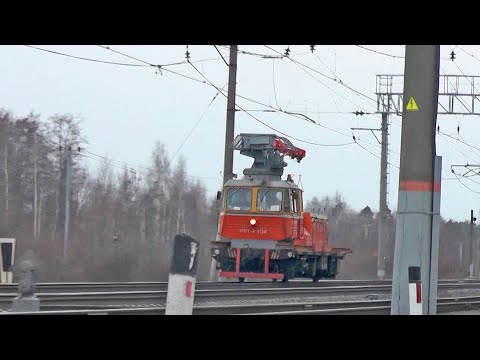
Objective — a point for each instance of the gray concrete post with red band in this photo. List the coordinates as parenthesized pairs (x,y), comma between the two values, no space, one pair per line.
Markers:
(418,210)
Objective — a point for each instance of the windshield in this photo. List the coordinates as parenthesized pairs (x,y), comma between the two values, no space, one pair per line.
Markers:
(239,199)
(269,199)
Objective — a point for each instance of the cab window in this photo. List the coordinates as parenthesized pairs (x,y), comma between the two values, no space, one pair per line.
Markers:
(239,199)
(269,200)
(286,204)
(295,201)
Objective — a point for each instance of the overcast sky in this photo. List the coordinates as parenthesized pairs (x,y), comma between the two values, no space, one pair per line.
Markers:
(125,109)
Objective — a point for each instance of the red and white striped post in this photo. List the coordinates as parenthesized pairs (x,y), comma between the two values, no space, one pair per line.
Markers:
(182,278)
(415,290)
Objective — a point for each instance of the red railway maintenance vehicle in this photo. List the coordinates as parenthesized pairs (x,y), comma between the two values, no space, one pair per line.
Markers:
(264,232)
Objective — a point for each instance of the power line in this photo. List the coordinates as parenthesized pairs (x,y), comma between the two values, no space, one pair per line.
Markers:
(304,117)
(333,73)
(364,148)
(221,55)
(380,53)
(145,64)
(378,157)
(220,91)
(121,165)
(112,163)
(471,149)
(277,110)
(130,57)
(458,67)
(154,65)
(459,98)
(83,58)
(461,182)
(463,142)
(323,84)
(193,128)
(470,178)
(473,56)
(396,166)
(263,56)
(314,112)
(267,56)
(460,151)
(82,151)
(273,78)
(386,54)
(260,121)
(358,93)
(185,76)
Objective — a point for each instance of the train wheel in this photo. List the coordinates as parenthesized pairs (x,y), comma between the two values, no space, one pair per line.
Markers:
(274,280)
(241,279)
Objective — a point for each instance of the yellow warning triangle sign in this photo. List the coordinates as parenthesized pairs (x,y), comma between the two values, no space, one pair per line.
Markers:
(412,105)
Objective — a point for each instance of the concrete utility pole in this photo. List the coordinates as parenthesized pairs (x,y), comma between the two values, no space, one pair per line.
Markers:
(453,99)
(230,127)
(383,200)
(473,254)
(473,248)
(68,185)
(229,131)
(417,234)
(382,213)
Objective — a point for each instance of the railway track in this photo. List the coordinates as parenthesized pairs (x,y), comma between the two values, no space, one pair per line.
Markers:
(376,307)
(77,287)
(218,295)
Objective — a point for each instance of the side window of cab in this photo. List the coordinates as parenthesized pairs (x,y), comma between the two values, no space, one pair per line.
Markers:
(287,201)
(295,201)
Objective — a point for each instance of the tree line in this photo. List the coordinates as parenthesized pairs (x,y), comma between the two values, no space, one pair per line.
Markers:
(123,221)
(358,230)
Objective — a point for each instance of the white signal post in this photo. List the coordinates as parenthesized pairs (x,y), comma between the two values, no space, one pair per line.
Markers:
(182,278)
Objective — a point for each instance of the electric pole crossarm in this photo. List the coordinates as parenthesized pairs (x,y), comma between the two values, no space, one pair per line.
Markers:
(382,213)
(370,129)
(457,94)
